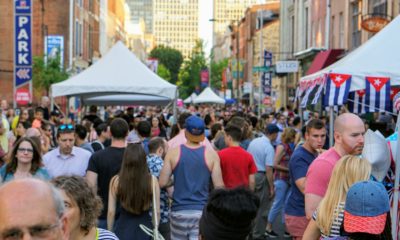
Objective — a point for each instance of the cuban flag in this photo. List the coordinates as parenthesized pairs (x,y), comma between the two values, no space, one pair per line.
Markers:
(356,101)
(377,94)
(337,89)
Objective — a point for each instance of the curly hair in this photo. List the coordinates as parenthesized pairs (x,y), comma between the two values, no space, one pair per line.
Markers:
(36,157)
(89,204)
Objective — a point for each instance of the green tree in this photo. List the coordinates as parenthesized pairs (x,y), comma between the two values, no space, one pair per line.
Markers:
(163,72)
(216,72)
(189,76)
(169,57)
(46,74)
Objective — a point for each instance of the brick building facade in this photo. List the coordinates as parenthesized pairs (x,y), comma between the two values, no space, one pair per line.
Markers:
(49,17)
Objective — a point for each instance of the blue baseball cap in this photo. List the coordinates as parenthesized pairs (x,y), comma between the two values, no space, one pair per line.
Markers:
(271,128)
(194,129)
(367,205)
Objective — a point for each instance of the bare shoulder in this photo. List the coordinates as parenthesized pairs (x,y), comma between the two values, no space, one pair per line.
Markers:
(211,155)
(173,153)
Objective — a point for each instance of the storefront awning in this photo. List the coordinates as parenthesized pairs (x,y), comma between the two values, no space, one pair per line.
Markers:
(324,59)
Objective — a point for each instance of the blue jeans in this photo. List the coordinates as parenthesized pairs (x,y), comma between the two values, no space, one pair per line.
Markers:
(281,196)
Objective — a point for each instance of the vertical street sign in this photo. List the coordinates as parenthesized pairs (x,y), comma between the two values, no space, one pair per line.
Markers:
(267,76)
(22,44)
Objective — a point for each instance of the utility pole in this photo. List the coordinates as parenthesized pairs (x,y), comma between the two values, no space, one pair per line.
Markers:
(237,65)
(261,60)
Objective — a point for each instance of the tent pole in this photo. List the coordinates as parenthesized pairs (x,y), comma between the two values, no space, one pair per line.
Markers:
(51,100)
(174,108)
(331,116)
(68,110)
(396,186)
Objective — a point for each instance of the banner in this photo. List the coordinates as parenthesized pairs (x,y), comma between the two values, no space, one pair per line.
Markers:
(152,64)
(23,42)
(204,78)
(266,77)
(53,48)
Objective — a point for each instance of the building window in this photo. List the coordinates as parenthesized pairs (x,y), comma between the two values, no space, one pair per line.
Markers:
(341,30)
(306,27)
(333,32)
(292,34)
(378,7)
(355,24)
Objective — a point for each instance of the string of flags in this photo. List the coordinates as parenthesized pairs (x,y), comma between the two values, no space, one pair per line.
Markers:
(376,97)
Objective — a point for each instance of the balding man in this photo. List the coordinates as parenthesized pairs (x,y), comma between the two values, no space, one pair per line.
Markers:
(31,209)
(45,104)
(349,139)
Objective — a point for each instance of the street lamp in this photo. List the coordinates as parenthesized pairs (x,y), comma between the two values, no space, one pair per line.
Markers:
(211,50)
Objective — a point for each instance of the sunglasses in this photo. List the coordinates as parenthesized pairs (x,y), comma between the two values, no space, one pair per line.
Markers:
(66,128)
(25,150)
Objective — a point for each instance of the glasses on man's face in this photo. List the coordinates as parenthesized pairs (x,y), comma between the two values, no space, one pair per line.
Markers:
(66,127)
(25,150)
(35,232)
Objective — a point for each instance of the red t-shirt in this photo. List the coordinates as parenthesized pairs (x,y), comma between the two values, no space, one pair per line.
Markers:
(236,166)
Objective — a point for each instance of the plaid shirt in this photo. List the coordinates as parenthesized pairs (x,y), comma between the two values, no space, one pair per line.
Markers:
(155,164)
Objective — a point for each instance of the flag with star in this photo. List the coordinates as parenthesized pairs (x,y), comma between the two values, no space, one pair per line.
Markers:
(337,89)
(377,94)
(356,101)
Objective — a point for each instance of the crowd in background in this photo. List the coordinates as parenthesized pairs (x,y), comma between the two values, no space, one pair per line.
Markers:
(215,172)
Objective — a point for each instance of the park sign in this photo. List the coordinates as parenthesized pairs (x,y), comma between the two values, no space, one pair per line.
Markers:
(23,42)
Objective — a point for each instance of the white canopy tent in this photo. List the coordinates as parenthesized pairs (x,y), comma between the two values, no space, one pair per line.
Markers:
(190,99)
(118,72)
(208,96)
(378,57)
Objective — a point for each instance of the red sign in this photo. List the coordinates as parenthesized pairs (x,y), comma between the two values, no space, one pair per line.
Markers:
(267,100)
(22,96)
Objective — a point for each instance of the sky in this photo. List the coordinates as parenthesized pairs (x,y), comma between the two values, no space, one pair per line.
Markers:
(205,26)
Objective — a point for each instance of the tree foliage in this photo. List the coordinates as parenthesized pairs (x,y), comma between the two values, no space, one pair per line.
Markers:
(163,72)
(46,74)
(189,76)
(216,72)
(171,58)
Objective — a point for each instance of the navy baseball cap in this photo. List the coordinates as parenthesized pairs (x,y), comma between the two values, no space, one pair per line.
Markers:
(367,205)
(271,128)
(194,129)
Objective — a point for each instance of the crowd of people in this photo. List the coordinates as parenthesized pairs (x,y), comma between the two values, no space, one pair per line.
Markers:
(212,173)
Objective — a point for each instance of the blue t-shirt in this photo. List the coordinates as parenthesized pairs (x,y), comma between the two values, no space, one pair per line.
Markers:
(298,166)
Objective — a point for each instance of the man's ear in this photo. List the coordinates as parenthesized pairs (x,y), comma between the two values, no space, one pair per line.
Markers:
(65,228)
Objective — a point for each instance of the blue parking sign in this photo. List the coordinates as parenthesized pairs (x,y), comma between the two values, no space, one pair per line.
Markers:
(23,42)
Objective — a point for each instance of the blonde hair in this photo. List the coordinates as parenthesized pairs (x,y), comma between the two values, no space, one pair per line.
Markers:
(288,135)
(348,170)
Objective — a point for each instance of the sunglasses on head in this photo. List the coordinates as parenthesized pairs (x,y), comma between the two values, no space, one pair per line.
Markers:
(66,127)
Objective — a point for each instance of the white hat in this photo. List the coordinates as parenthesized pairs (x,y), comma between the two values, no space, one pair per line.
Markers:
(376,151)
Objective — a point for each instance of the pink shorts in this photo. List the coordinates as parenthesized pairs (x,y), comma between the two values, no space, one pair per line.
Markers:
(296,226)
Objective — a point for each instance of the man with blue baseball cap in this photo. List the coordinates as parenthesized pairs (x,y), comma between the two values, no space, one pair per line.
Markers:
(192,166)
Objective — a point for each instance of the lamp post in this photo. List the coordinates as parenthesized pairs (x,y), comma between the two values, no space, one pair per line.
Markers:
(211,50)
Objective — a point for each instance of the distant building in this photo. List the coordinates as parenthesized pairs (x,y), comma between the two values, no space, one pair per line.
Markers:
(176,24)
(141,10)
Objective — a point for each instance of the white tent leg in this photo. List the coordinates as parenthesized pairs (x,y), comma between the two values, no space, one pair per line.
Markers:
(396,186)
(174,108)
